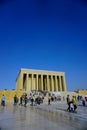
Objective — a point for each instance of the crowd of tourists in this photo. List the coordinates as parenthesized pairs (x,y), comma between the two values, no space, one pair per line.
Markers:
(32,99)
(35,98)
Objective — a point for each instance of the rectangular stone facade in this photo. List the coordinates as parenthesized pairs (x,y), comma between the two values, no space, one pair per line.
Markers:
(52,81)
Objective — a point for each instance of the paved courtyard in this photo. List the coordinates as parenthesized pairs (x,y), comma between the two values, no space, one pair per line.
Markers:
(42,117)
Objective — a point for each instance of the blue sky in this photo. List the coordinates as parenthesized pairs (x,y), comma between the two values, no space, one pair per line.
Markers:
(46,35)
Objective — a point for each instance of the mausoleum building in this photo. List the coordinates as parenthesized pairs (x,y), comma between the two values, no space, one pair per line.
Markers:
(29,79)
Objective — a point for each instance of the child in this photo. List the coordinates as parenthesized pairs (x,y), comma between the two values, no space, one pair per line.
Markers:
(71,107)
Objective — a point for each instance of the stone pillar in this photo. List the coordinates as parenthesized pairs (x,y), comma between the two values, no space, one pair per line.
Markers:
(60,83)
(37,82)
(48,86)
(27,86)
(56,83)
(32,82)
(64,83)
(52,83)
(21,81)
(41,82)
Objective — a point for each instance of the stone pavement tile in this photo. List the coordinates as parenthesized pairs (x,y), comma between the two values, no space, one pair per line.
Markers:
(35,118)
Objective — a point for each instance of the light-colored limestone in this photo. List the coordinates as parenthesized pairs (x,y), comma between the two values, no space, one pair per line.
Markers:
(56,83)
(29,79)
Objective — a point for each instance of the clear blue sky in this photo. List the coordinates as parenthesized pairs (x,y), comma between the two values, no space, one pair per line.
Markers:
(46,35)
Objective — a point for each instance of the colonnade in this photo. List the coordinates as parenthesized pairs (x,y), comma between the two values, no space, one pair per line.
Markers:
(43,82)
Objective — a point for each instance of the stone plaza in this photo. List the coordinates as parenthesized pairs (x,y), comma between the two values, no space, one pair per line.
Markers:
(42,117)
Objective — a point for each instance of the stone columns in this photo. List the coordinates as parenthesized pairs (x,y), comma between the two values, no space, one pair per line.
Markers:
(52,83)
(41,82)
(64,83)
(21,81)
(48,86)
(60,83)
(27,86)
(37,81)
(56,83)
(32,82)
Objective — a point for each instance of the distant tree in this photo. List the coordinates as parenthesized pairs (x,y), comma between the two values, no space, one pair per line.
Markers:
(5,89)
(13,89)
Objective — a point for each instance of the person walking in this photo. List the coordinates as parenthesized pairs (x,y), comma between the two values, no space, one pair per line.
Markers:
(3,100)
(15,100)
(68,102)
(74,103)
(25,99)
(49,98)
(21,100)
